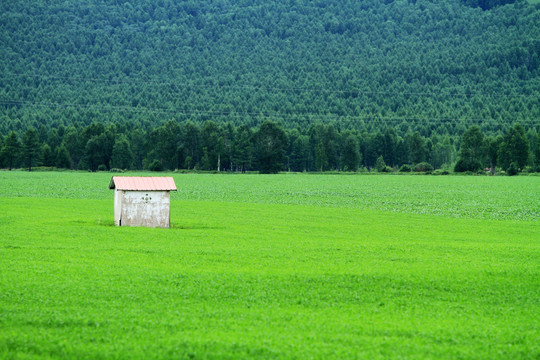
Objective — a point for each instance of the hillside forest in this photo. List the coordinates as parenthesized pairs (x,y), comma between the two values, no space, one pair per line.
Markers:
(270,86)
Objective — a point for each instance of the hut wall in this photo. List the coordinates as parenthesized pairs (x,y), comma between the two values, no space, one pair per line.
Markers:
(144,208)
(118,194)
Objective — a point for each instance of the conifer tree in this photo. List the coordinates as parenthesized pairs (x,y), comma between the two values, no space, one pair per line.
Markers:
(63,159)
(30,147)
(11,149)
(472,151)
(514,148)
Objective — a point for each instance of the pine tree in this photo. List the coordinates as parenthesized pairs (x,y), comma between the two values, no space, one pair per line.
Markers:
(380,165)
(472,150)
(63,159)
(122,157)
(270,142)
(11,149)
(321,160)
(30,147)
(47,155)
(514,148)
(243,149)
(537,153)
(299,158)
(351,153)
(417,144)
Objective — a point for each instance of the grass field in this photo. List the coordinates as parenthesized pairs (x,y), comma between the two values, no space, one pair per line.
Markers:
(284,266)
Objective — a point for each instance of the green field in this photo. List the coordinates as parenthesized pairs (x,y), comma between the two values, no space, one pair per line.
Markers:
(285,266)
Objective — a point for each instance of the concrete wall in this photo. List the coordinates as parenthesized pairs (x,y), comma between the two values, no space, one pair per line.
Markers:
(117,206)
(142,208)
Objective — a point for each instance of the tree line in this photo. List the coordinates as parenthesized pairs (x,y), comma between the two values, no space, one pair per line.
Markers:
(268,148)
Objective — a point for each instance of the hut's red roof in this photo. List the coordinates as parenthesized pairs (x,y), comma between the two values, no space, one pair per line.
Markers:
(142,183)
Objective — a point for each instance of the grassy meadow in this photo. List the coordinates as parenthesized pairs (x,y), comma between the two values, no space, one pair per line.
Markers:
(279,266)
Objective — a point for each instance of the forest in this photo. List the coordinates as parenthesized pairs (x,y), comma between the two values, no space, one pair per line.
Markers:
(269,148)
(270,85)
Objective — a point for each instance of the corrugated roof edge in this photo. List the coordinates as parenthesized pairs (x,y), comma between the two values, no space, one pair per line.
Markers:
(143,183)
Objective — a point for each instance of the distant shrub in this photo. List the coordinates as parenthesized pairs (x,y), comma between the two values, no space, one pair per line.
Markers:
(440,172)
(116,170)
(405,168)
(44,168)
(102,167)
(464,165)
(512,169)
(156,165)
(423,167)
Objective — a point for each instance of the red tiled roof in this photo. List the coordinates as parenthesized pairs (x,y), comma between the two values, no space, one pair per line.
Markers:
(142,183)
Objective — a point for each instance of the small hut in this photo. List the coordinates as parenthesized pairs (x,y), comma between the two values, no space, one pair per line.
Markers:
(142,201)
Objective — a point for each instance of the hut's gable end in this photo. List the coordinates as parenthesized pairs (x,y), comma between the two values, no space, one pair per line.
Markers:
(118,196)
(145,208)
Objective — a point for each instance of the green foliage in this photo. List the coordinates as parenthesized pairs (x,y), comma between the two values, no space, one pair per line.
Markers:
(122,157)
(492,149)
(321,160)
(488,4)
(30,147)
(175,78)
(363,64)
(213,145)
(440,172)
(423,167)
(320,148)
(10,150)
(380,165)
(443,152)
(299,158)
(243,149)
(514,148)
(191,145)
(537,151)
(512,169)
(63,159)
(47,156)
(467,165)
(156,165)
(270,147)
(99,145)
(263,274)
(417,146)
(472,151)
(163,144)
(405,168)
(351,153)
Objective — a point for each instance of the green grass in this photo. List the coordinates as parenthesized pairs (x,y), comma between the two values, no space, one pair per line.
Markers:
(450,196)
(286,266)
